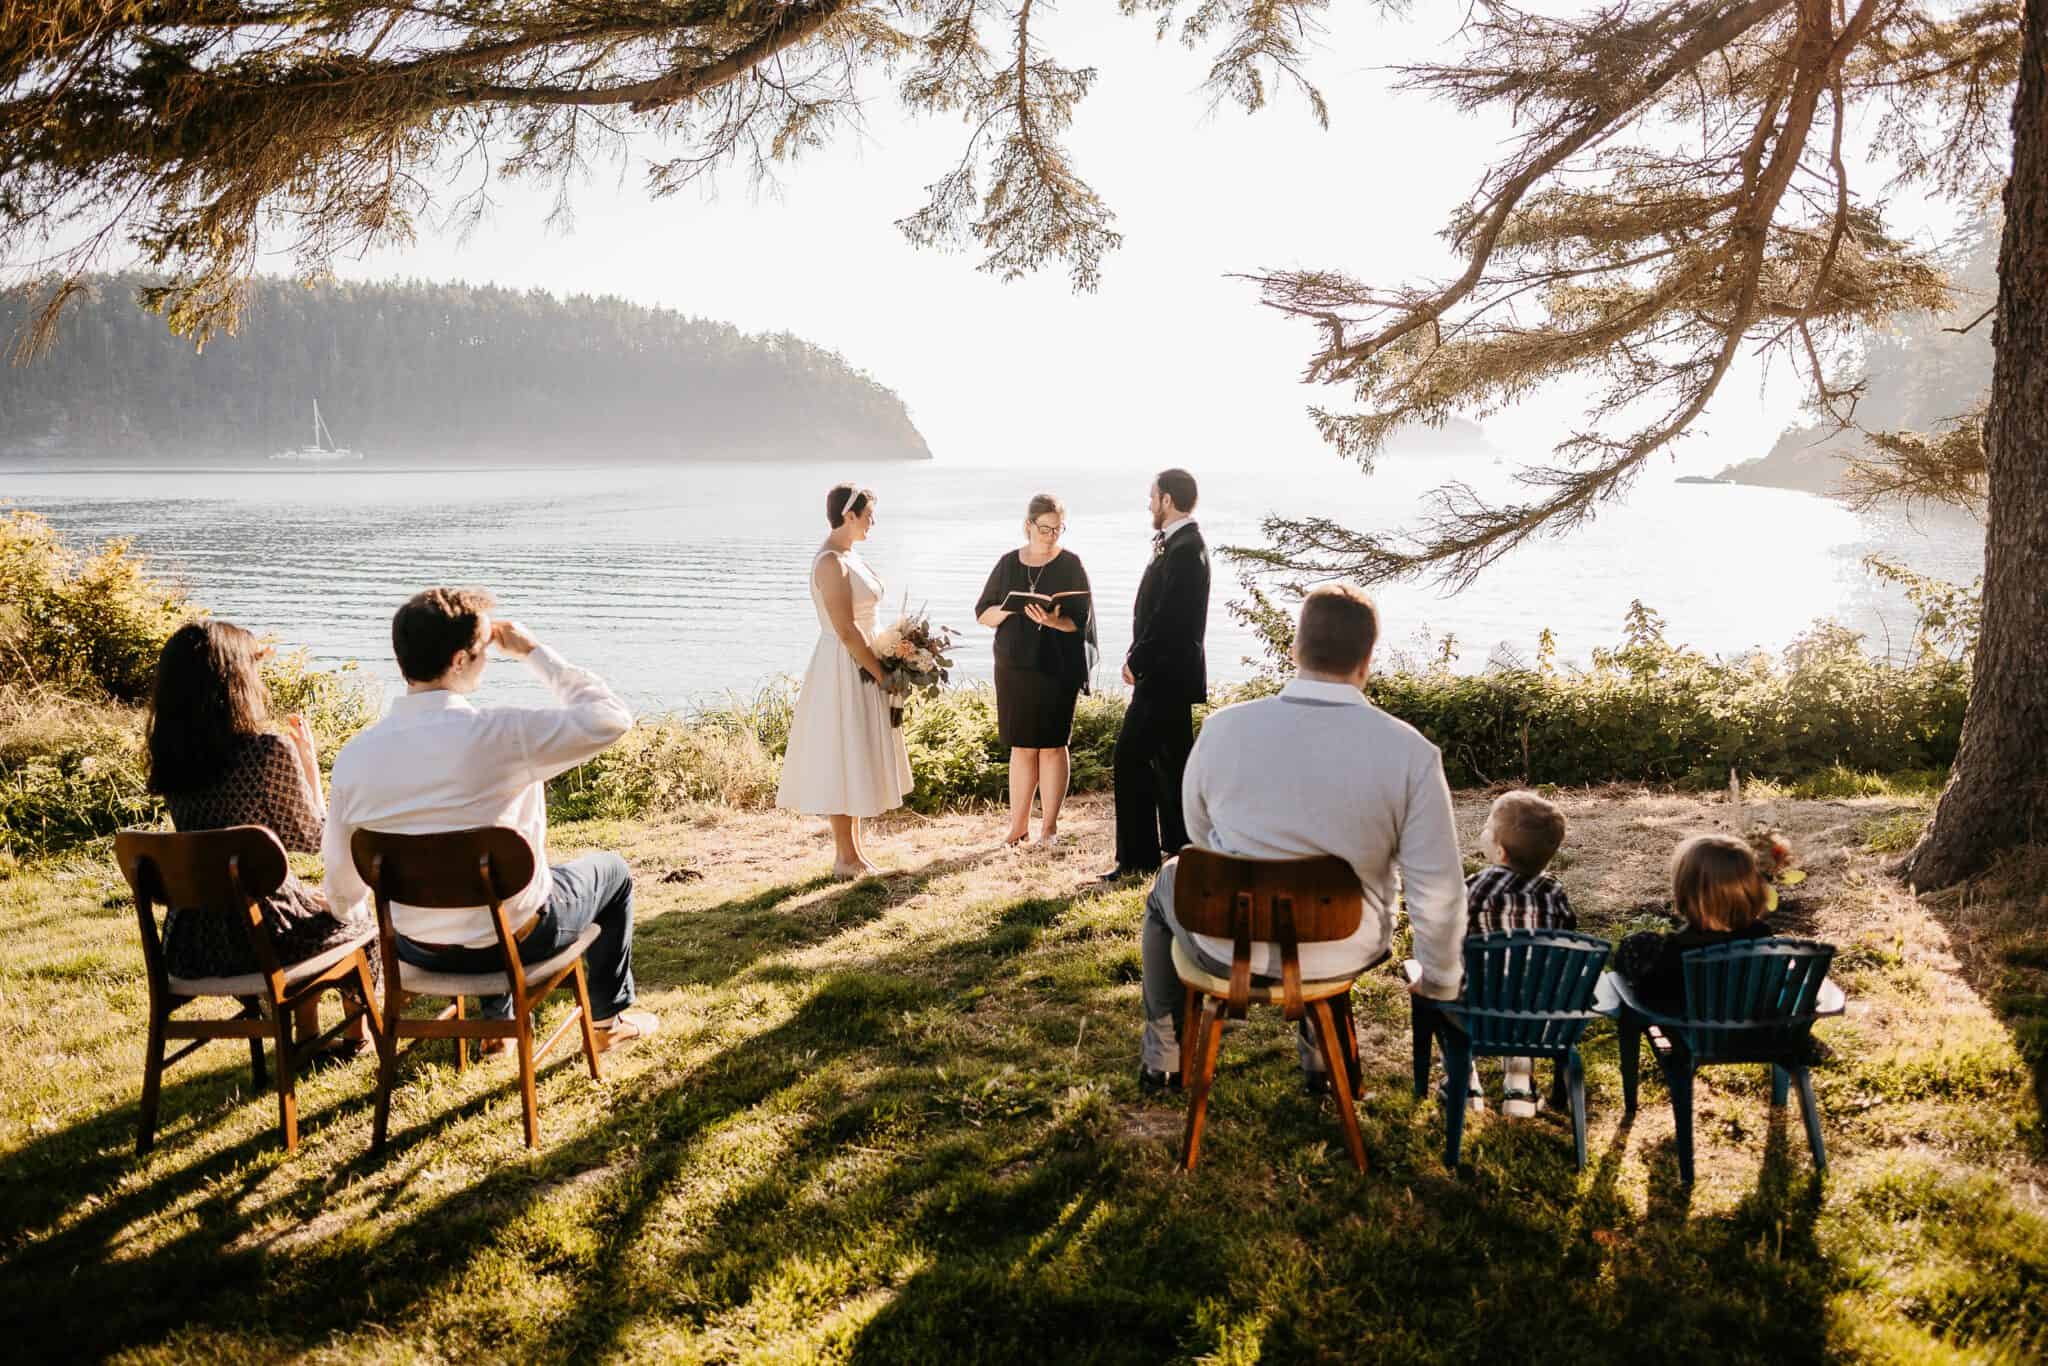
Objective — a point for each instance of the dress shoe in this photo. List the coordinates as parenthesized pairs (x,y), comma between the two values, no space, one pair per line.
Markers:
(1151,1083)
(1119,873)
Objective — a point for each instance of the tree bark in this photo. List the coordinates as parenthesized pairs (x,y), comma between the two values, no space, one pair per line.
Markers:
(1997,794)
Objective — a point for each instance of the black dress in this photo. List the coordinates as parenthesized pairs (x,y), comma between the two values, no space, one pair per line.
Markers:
(1039,671)
(1654,962)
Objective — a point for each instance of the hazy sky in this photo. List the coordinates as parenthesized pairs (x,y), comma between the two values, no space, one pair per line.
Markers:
(1170,359)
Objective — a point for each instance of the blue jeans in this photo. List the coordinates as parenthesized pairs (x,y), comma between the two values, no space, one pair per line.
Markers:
(597,888)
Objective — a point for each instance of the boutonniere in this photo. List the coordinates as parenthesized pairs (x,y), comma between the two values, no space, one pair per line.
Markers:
(1158,544)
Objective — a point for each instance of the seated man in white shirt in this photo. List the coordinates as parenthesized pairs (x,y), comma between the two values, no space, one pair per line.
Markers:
(1316,770)
(436,762)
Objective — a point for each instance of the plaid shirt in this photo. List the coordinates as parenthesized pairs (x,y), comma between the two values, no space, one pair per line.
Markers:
(1499,898)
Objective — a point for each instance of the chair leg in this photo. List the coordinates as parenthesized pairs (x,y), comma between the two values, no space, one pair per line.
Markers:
(1338,1068)
(1422,1024)
(583,1014)
(152,1080)
(287,1083)
(366,1002)
(1781,1086)
(1575,1083)
(1347,1034)
(1810,1109)
(527,1098)
(387,1076)
(1629,1035)
(462,1044)
(1678,1076)
(1190,1015)
(1208,1043)
(253,1011)
(1457,1083)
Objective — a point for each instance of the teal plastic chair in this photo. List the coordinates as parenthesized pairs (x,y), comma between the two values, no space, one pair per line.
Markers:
(1749,1002)
(1528,994)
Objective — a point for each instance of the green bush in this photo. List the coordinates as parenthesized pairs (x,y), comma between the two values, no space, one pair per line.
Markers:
(69,772)
(728,755)
(81,624)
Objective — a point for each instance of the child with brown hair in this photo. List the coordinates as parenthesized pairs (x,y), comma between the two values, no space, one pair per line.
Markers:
(1718,890)
(1522,835)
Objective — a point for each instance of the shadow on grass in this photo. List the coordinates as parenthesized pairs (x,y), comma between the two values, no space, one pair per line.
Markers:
(1994,926)
(928,1157)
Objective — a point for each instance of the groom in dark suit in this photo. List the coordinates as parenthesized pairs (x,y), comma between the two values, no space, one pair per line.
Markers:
(1168,673)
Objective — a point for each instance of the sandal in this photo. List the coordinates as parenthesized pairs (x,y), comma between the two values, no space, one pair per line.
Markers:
(628,1026)
(1520,1103)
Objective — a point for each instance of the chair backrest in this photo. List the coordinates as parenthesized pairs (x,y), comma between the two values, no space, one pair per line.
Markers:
(1285,902)
(217,872)
(1529,993)
(445,870)
(1755,996)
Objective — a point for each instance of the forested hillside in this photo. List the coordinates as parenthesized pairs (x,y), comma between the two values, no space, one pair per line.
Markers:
(415,370)
(1918,377)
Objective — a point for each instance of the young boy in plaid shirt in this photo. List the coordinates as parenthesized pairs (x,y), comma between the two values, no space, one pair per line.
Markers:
(1522,834)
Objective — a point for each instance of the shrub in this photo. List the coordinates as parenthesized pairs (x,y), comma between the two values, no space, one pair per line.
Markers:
(81,624)
(728,755)
(69,772)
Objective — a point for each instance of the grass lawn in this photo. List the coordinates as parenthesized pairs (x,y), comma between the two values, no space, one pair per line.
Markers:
(898,1121)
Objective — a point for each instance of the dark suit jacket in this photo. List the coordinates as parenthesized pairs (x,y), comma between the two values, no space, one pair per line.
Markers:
(1172,617)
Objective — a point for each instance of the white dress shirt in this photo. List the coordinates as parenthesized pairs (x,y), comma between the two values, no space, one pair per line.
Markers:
(437,762)
(1320,770)
(1166,532)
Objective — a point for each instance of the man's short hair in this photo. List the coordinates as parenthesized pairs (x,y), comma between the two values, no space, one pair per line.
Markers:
(433,627)
(1178,485)
(1339,626)
(1528,828)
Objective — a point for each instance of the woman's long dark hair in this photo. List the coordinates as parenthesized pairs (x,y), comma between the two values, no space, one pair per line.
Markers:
(209,698)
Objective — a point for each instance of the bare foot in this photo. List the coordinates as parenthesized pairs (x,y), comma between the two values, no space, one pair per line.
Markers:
(1015,837)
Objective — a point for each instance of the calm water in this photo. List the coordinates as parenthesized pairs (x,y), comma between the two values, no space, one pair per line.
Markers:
(681,584)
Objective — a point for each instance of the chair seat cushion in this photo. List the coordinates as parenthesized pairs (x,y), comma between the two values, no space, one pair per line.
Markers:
(1263,992)
(251,983)
(426,982)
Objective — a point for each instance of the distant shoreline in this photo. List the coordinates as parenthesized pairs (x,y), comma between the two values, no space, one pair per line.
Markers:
(41,463)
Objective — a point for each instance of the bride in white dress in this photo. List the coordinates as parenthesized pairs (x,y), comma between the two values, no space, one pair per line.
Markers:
(844,761)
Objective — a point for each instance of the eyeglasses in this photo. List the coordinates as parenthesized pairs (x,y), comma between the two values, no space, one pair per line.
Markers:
(1052,530)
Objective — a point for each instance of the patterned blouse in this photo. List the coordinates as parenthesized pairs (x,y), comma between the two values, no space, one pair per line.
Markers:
(263,785)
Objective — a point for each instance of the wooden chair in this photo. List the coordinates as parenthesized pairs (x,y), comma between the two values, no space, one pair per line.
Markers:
(1285,902)
(1752,1001)
(229,872)
(456,868)
(1528,994)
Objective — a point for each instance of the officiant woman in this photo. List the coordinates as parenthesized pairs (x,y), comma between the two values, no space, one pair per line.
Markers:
(1044,654)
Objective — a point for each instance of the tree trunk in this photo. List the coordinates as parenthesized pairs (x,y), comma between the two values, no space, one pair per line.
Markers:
(1997,795)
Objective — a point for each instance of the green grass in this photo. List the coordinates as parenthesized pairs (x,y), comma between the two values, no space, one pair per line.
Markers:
(896,1122)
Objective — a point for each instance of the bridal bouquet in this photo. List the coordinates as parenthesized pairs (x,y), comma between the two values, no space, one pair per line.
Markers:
(913,655)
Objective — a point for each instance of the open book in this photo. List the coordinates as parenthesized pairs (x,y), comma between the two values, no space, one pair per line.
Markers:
(1051,602)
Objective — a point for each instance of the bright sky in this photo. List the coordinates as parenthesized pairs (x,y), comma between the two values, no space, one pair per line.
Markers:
(1170,358)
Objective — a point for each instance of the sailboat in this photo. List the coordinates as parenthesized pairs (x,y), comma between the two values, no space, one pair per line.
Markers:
(322,449)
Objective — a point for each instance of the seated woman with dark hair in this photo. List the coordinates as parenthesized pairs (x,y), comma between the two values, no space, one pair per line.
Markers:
(216,763)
